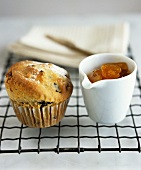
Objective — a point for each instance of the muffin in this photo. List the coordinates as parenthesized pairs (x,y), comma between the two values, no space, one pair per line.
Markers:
(39,92)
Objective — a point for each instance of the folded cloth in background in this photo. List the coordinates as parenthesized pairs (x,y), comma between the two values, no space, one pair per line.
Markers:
(68,45)
(69,60)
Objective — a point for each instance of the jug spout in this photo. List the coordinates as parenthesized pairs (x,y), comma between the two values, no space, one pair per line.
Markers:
(86,84)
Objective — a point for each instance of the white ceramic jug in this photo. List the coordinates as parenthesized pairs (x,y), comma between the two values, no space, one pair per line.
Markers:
(107,101)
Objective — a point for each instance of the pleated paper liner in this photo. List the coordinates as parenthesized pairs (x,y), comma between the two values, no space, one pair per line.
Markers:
(41,117)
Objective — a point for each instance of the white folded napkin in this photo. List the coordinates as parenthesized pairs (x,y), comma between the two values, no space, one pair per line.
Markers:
(72,43)
(26,51)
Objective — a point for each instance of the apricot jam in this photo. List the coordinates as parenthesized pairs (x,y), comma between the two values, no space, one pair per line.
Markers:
(109,71)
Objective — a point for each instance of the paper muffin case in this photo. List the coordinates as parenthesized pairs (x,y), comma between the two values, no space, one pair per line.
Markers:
(41,117)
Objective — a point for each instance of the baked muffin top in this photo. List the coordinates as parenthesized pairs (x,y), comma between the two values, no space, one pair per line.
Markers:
(37,83)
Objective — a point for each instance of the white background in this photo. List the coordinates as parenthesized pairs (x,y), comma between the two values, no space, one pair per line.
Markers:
(67,7)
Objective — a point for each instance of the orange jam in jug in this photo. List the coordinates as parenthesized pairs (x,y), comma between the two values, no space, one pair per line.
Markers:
(109,71)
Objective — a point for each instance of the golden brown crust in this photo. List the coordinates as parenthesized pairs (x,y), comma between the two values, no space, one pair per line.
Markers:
(34,83)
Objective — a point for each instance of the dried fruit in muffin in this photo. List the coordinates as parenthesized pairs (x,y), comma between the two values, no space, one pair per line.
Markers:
(38,92)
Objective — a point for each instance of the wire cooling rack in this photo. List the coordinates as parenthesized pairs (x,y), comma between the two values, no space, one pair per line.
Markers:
(76,132)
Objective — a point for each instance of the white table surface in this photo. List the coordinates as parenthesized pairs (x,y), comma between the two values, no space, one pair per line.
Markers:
(11,29)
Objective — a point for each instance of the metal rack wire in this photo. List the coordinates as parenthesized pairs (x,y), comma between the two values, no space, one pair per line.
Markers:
(76,132)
